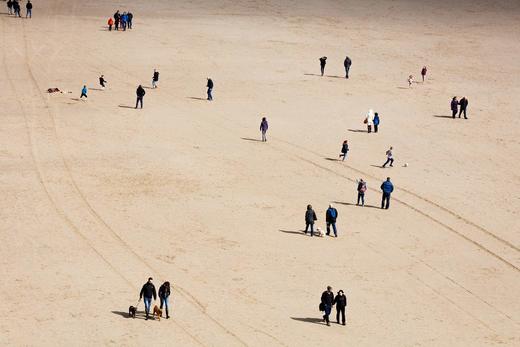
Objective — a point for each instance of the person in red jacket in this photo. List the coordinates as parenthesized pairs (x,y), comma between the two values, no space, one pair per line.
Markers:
(110,23)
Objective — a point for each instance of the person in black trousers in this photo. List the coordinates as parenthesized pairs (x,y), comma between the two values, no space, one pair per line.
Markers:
(327,300)
(323,62)
(387,187)
(102,81)
(310,218)
(463,105)
(117,17)
(347,63)
(130,18)
(210,89)
(140,94)
(454,106)
(341,303)
(361,188)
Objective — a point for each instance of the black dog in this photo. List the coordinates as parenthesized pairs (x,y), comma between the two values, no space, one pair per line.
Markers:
(131,311)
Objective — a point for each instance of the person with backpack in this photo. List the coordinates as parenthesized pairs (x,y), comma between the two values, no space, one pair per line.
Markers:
(117,17)
(323,62)
(361,189)
(463,106)
(344,150)
(389,157)
(155,78)
(330,217)
(210,89)
(148,291)
(129,18)
(376,122)
(310,218)
(164,295)
(84,92)
(454,107)
(341,303)
(110,23)
(140,92)
(347,63)
(387,187)
(327,300)
(28,7)
(263,128)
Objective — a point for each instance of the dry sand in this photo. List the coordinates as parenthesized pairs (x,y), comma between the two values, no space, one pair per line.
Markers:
(96,197)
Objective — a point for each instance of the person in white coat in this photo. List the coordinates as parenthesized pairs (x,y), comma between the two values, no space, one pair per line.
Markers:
(369,120)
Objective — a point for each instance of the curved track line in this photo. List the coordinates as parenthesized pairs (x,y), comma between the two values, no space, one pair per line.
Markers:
(192,299)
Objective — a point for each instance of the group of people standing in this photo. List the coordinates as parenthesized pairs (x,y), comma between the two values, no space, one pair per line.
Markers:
(346,64)
(14,8)
(463,103)
(122,21)
(372,120)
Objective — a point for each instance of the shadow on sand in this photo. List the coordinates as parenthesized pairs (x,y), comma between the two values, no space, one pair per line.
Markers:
(125,315)
(442,116)
(309,320)
(352,204)
(250,139)
(126,106)
(293,232)
(358,131)
(195,98)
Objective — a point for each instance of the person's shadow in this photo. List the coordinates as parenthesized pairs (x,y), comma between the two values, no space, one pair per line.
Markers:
(126,315)
(195,98)
(309,320)
(302,233)
(250,139)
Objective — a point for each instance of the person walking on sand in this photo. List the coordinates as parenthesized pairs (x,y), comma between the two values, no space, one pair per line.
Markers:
(454,107)
(376,122)
(84,92)
(327,300)
(423,73)
(263,128)
(341,303)
(387,187)
(140,95)
(102,81)
(123,20)
(347,63)
(323,62)
(117,17)
(344,150)
(16,8)
(28,8)
(310,218)
(130,18)
(369,120)
(463,105)
(9,7)
(410,81)
(330,217)
(148,291)
(155,78)
(164,295)
(389,157)
(110,23)
(361,189)
(209,85)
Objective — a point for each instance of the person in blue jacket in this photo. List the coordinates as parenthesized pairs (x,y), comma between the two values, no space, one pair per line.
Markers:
(387,187)
(84,92)
(376,121)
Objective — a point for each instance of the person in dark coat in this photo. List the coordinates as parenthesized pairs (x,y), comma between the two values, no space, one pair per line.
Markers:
(330,217)
(323,62)
(310,218)
(376,122)
(140,95)
(341,303)
(129,17)
(361,189)
(454,106)
(423,73)
(387,187)
(347,63)
(102,81)
(16,8)
(210,89)
(463,105)
(147,292)
(327,300)
(28,7)
(263,128)
(164,295)
(117,17)
(155,78)
(344,149)
(10,7)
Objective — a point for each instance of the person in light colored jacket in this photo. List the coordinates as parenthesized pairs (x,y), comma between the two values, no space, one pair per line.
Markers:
(369,120)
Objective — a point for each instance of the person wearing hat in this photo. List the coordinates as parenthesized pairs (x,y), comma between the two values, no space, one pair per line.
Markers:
(164,295)
(341,303)
(148,291)
(330,218)
(327,300)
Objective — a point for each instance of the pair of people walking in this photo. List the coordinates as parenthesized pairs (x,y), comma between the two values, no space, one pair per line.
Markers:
(463,103)
(328,300)
(346,64)
(330,218)
(148,293)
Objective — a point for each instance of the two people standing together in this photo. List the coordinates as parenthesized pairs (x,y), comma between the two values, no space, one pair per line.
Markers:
(148,293)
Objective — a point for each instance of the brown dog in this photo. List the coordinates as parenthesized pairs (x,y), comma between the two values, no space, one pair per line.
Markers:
(157,311)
